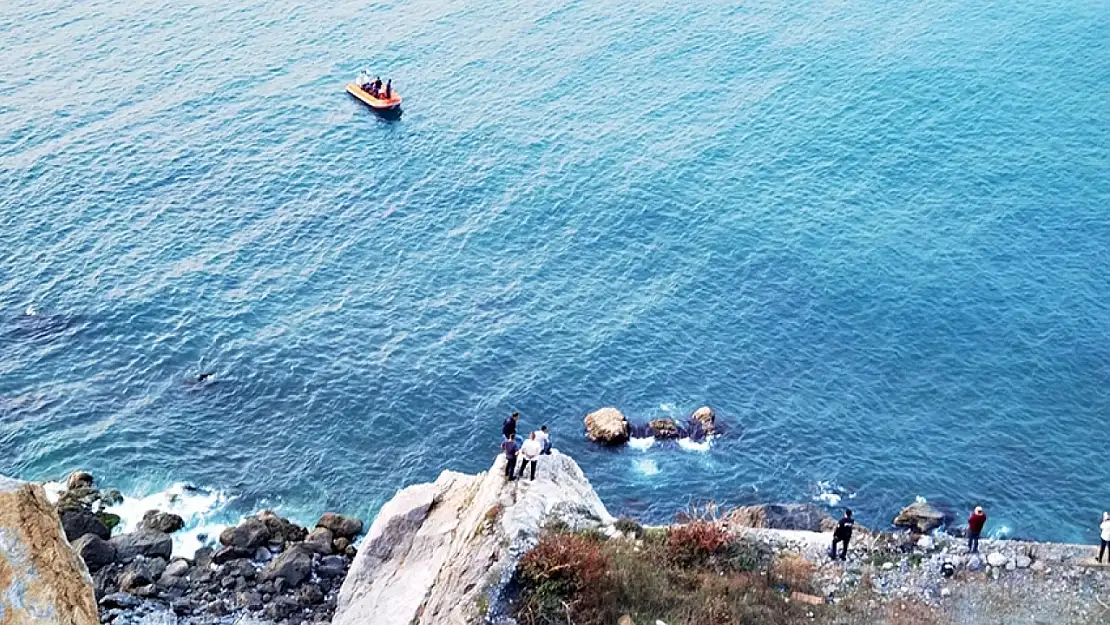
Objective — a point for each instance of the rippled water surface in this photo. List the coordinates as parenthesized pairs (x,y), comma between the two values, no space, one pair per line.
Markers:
(874,236)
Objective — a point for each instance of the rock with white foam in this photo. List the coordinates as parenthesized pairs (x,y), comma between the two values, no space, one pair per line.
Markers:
(608,426)
(920,517)
(437,551)
(42,580)
(704,421)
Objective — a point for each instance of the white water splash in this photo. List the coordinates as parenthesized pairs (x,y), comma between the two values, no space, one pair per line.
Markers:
(690,445)
(647,466)
(197,507)
(642,444)
(831,494)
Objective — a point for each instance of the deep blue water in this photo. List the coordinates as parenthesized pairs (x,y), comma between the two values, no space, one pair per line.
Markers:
(874,236)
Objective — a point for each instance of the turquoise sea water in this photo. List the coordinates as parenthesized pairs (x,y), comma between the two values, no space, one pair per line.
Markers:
(874,236)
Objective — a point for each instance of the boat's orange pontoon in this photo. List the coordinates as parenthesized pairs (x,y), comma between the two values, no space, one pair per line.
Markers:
(378,104)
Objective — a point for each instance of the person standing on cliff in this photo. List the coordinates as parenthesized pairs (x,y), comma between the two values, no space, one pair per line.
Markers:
(544,439)
(510,448)
(531,450)
(508,428)
(1105,536)
(843,534)
(975,524)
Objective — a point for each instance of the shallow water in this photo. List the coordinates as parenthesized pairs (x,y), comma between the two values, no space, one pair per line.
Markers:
(872,236)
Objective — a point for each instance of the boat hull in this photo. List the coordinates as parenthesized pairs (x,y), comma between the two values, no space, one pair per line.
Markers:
(378,104)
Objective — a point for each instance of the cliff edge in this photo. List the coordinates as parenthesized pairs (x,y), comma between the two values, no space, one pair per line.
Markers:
(42,581)
(443,553)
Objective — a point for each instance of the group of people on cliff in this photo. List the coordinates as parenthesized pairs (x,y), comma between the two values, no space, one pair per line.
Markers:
(537,444)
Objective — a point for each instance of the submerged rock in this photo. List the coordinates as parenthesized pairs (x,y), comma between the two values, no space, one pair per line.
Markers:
(919,517)
(42,580)
(608,426)
(435,549)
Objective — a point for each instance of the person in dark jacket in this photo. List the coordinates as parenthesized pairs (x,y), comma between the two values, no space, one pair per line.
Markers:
(389,89)
(843,534)
(508,428)
(510,448)
(975,524)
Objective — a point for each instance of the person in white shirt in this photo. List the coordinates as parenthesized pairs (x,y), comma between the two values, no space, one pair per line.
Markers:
(1105,527)
(545,441)
(531,450)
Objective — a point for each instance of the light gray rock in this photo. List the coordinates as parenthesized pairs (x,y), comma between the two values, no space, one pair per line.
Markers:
(435,548)
(608,426)
(1023,561)
(920,517)
(142,543)
(997,559)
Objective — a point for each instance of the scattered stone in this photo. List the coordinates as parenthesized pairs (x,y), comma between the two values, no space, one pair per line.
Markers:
(282,530)
(142,543)
(945,592)
(95,551)
(1039,567)
(183,606)
(663,428)
(974,563)
(177,568)
(332,567)
(291,567)
(607,426)
(164,522)
(250,535)
(1023,561)
(319,541)
(119,600)
(148,591)
(997,560)
(350,552)
(227,554)
(203,558)
(280,608)
(625,620)
(339,545)
(920,517)
(888,566)
(142,571)
(309,595)
(262,554)
(340,526)
(926,543)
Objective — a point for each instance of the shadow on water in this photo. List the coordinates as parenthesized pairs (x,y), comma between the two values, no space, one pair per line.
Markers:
(33,326)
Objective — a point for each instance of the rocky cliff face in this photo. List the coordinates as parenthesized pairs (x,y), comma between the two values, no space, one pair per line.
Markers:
(442,553)
(42,581)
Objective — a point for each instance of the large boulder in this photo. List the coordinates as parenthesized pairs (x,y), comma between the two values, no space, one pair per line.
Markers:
(42,580)
(663,428)
(790,516)
(920,517)
(79,521)
(78,480)
(164,522)
(140,572)
(704,421)
(340,526)
(293,565)
(142,543)
(281,530)
(607,426)
(95,551)
(319,541)
(250,534)
(436,552)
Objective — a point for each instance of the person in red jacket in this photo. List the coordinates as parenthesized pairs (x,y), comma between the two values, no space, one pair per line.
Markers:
(975,524)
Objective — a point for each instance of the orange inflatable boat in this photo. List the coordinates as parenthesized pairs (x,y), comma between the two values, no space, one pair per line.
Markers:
(378,104)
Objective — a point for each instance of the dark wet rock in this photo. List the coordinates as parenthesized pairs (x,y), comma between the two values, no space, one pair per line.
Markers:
(227,554)
(178,568)
(920,517)
(202,558)
(283,530)
(309,595)
(164,522)
(291,567)
(142,543)
(802,516)
(319,541)
(339,545)
(141,571)
(340,526)
(104,580)
(332,567)
(228,582)
(266,588)
(218,607)
(262,554)
(250,535)
(78,480)
(350,552)
(663,428)
(79,521)
(183,606)
(281,608)
(95,551)
(119,600)
(147,592)
(241,568)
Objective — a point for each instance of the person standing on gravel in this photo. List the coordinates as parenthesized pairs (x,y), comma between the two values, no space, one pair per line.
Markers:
(1105,535)
(843,534)
(975,524)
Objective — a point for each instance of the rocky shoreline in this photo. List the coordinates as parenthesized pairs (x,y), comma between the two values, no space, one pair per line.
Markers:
(266,569)
(446,552)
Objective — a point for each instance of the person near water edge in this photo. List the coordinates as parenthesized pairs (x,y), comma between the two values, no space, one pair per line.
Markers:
(843,534)
(545,440)
(510,448)
(1104,535)
(975,524)
(531,450)
(508,428)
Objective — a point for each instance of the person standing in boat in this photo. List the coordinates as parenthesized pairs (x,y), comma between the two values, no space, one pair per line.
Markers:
(388,88)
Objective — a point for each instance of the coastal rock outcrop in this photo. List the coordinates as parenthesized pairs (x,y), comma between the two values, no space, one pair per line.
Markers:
(663,428)
(608,426)
(142,543)
(792,516)
(158,521)
(95,551)
(920,517)
(340,526)
(442,553)
(42,581)
(704,421)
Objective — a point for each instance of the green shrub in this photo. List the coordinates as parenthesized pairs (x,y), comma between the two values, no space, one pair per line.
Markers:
(630,527)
